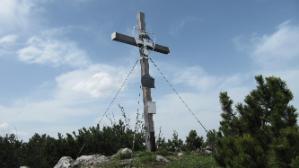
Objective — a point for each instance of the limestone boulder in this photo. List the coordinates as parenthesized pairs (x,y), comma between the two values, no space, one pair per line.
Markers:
(89,161)
(64,162)
(124,153)
(180,154)
(160,158)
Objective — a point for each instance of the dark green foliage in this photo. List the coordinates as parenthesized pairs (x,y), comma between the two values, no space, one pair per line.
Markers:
(9,150)
(175,144)
(162,146)
(211,139)
(44,151)
(295,162)
(285,148)
(193,141)
(262,132)
(229,122)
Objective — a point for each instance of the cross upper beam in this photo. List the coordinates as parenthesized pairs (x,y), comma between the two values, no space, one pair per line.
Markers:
(132,41)
(143,40)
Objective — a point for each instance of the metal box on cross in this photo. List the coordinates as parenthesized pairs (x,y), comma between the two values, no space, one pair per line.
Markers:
(148,81)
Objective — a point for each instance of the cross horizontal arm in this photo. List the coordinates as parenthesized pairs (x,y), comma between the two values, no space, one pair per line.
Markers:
(123,38)
(132,41)
(161,49)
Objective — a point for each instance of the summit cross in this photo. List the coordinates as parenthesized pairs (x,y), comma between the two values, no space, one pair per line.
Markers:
(145,44)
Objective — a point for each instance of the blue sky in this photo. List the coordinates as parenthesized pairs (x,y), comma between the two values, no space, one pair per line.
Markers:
(59,68)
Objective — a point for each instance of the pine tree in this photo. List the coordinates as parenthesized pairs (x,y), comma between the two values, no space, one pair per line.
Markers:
(175,144)
(211,139)
(263,130)
(193,141)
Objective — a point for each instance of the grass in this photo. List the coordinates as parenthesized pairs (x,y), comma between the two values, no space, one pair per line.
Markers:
(193,160)
(148,160)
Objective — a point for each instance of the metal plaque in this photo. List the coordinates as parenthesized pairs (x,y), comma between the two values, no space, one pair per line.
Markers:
(151,107)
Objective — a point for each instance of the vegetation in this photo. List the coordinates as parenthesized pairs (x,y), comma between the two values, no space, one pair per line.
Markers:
(193,160)
(262,132)
(44,151)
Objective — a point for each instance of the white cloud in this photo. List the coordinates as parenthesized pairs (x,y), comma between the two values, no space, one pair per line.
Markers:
(8,40)
(56,51)
(8,44)
(43,116)
(94,81)
(46,111)
(14,14)
(197,78)
(10,10)
(278,49)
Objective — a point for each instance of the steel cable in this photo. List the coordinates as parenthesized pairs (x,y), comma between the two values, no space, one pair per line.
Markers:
(119,90)
(178,95)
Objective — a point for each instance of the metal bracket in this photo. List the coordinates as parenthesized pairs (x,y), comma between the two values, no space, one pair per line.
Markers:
(145,44)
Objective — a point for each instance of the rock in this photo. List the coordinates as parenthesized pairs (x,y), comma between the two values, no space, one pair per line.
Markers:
(64,162)
(89,161)
(124,153)
(160,158)
(206,151)
(180,154)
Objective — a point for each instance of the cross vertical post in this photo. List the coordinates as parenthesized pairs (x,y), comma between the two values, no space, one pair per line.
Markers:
(148,117)
(145,44)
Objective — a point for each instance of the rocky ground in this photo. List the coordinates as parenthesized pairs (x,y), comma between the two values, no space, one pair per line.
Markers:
(125,158)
